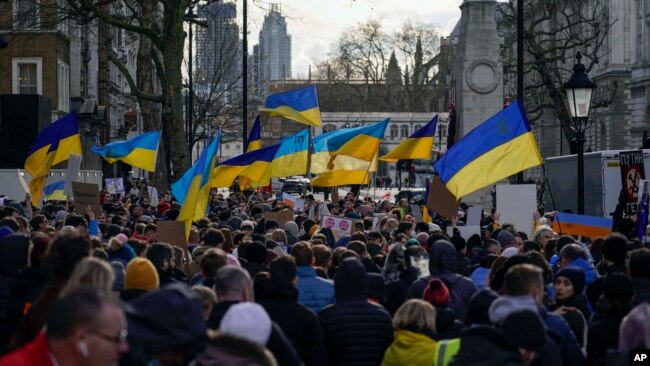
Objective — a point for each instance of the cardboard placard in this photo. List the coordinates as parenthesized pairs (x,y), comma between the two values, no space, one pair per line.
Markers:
(114,185)
(441,200)
(517,204)
(474,216)
(465,231)
(172,232)
(71,173)
(340,226)
(85,194)
(281,217)
(416,212)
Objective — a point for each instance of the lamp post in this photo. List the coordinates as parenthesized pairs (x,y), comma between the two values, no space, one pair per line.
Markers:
(190,16)
(578,90)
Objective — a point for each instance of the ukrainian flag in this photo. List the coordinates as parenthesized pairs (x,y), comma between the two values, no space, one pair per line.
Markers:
(254,166)
(254,141)
(590,226)
(196,183)
(291,157)
(499,147)
(53,145)
(54,191)
(139,151)
(300,105)
(345,170)
(359,142)
(416,146)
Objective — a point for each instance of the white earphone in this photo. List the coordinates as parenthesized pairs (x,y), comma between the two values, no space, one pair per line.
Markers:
(83,348)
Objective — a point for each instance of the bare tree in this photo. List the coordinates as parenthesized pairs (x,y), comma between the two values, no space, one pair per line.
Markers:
(554,30)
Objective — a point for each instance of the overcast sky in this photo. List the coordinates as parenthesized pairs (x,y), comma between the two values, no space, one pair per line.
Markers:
(315,25)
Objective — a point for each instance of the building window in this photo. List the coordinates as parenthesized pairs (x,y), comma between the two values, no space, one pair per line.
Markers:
(27,75)
(63,95)
(405,131)
(393,132)
(26,14)
(329,128)
(417,128)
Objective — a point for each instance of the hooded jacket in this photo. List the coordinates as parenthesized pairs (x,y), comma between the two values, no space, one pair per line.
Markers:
(314,292)
(591,274)
(443,264)
(485,346)
(410,348)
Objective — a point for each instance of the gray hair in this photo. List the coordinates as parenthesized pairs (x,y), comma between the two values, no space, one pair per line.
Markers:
(231,280)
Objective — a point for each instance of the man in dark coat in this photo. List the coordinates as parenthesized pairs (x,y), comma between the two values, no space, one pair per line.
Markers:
(443,265)
(639,270)
(279,297)
(356,331)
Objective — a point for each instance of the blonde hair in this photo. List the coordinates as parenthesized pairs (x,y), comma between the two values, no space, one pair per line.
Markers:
(416,313)
(207,295)
(279,235)
(91,272)
(114,243)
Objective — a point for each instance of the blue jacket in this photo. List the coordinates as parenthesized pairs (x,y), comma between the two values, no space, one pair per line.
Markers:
(569,347)
(590,271)
(479,277)
(314,292)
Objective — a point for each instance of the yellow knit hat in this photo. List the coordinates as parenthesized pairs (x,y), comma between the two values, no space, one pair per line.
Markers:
(141,275)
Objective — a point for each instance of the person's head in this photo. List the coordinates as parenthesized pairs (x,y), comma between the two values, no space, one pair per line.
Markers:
(208,299)
(569,281)
(38,222)
(417,257)
(358,247)
(212,238)
(249,321)
(543,234)
(492,246)
(639,264)
(66,251)
(351,281)
(211,261)
(523,280)
(284,269)
(506,239)
(233,284)
(86,328)
(303,253)
(150,233)
(270,226)
(224,347)
(614,249)
(436,293)
(91,272)
(279,236)
(160,254)
(322,256)
(256,252)
(141,275)
(570,253)
(416,315)
(479,306)
(525,330)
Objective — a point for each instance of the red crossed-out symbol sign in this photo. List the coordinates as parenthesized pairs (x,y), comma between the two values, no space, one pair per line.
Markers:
(632,177)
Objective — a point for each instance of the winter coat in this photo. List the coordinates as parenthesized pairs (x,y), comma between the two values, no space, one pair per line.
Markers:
(278,342)
(31,324)
(641,290)
(36,352)
(357,332)
(485,346)
(299,324)
(447,325)
(591,274)
(480,276)
(410,348)
(569,348)
(124,254)
(603,335)
(443,264)
(314,292)
(26,288)
(396,290)
(577,319)
(14,251)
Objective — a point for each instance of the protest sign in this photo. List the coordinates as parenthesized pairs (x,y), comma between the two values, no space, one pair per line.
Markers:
(416,212)
(474,216)
(71,173)
(85,194)
(517,204)
(632,171)
(281,217)
(340,226)
(114,185)
(441,200)
(465,231)
(153,196)
(172,232)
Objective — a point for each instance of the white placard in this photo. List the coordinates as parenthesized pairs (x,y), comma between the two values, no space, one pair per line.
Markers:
(299,206)
(339,226)
(114,185)
(72,173)
(465,231)
(474,216)
(153,196)
(516,204)
(416,212)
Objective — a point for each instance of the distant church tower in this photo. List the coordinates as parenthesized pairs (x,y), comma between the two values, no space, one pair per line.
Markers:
(479,80)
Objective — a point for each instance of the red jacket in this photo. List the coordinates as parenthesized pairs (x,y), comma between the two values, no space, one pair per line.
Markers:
(35,353)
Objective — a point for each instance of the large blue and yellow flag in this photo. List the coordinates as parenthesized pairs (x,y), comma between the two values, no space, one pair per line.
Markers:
(55,192)
(359,142)
(53,145)
(254,141)
(345,169)
(498,148)
(139,151)
(300,105)
(291,157)
(196,183)
(254,165)
(416,146)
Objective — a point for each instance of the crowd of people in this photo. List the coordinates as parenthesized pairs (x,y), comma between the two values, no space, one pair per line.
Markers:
(104,288)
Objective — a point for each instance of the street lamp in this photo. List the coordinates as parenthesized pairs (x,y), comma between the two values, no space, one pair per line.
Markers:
(578,90)
(190,17)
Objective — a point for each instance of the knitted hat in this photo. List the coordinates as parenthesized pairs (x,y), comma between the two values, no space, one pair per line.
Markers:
(618,286)
(479,306)
(615,249)
(434,227)
(291,227)
(509,252)
(118,270)
(141,275)
(122,238)
(247,320)
(436,293)
(411,242)
(524,329)
(574,274)
(247,224)
(505,237)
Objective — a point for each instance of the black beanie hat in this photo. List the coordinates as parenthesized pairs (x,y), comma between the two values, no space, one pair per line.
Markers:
(576,275)
(479,305)
(256,252)
(524,328)
(351,281)
(615,249)
(474,241)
